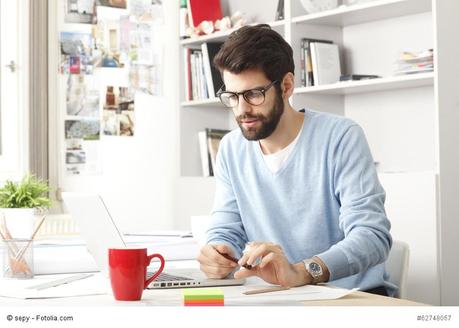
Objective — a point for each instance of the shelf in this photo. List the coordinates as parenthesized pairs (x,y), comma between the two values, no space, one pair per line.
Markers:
(374,85)
(366,12)
(220,36)
(214,102)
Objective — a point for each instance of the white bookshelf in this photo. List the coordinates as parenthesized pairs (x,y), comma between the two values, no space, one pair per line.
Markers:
(373,85)
(221,36)
(213,102)
(410,121)
(365,12)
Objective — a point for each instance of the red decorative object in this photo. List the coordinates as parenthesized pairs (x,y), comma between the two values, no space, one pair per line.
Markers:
(204,10)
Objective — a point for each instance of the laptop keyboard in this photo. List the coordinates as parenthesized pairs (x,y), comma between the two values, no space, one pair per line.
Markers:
(167,277)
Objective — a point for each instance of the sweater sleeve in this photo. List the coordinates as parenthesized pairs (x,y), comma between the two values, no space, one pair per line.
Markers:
(362,218)
(226,226)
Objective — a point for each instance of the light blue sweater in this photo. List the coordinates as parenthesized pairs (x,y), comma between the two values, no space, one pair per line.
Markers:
(324,201)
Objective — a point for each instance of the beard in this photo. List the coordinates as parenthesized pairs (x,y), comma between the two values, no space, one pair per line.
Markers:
(268,122)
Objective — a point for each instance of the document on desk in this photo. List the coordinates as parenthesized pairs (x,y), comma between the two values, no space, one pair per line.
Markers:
(292,295)
(94,285)
(234,295)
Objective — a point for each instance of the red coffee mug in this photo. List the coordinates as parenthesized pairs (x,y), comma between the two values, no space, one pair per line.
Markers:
(128,271)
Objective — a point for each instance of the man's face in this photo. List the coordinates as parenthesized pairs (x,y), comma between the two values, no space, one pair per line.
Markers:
(255,122)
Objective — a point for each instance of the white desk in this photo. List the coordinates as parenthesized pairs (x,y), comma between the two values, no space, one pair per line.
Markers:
(173,297)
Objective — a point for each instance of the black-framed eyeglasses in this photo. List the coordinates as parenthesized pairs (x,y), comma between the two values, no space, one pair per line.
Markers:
(254,97)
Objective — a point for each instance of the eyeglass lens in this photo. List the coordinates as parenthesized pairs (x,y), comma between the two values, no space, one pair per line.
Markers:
(254,97)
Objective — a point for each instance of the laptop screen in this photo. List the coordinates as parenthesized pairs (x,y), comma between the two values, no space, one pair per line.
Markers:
(96,225)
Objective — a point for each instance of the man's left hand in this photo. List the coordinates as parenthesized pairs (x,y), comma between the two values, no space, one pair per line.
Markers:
(274,267)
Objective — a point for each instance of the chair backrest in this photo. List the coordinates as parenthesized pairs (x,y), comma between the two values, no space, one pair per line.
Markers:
(397,266)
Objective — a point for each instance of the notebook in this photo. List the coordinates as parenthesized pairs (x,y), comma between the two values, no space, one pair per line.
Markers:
(100,232)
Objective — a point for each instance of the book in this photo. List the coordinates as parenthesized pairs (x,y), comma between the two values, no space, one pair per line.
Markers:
(308,73)
(302,63)
(200,74)
(203,10)
(326,65)
(187,67)
(194,81)
(204,153)
(213,78)
(280,10)
(357,77)
(214,136)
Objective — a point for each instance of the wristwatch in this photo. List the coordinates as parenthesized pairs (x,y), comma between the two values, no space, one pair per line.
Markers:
(315,270)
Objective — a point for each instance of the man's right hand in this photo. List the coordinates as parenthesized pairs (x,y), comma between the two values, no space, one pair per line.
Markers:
(215,265)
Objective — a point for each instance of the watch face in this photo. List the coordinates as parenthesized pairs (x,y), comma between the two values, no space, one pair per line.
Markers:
(314,267)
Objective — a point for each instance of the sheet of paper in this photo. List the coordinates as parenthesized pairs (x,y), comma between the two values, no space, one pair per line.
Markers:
(285,297)
(51,259)
(13,288)
(234,296)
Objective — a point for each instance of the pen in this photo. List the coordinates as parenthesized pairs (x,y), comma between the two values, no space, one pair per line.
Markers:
(229,257)
(62,281)
(265,290)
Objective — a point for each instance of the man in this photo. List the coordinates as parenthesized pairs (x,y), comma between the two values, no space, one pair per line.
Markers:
(301,187)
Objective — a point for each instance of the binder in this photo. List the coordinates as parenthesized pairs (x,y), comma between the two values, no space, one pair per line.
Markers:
(326,65)
(308,75)
(213,78)
(214,136)
(187,67)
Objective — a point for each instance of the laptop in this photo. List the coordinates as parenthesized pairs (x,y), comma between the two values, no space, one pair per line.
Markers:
(99,230)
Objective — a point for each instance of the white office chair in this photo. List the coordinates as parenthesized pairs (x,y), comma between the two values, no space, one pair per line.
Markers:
(397,266)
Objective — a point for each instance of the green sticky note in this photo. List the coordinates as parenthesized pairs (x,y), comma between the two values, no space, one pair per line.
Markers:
(202,293)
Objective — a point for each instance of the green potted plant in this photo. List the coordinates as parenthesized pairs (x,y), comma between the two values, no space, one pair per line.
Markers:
(19,202)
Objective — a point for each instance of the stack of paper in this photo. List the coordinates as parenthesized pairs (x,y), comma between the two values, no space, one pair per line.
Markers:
(35,288)
(415,62)
(203,297)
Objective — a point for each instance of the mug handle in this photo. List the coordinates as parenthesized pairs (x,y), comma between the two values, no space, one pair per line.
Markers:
(149,258)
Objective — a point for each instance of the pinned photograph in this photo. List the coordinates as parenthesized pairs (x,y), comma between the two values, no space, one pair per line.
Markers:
(126,123)
(74,64)
(110,125)
(76,44)
(80,11)
(107,44)
(82,96)
(145,79)
(118,99)
(118,115)
(82,129)
(75,157)
(74,169)
(77,53)
(146,10)
(74,144)
(82,157)
(141,44)
(138,8)
(145,58)
(112,3)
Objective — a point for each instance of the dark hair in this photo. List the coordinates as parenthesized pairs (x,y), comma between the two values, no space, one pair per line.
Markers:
(256,47)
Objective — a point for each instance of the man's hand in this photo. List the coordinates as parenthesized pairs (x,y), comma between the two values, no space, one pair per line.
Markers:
(215,265)
(274,267)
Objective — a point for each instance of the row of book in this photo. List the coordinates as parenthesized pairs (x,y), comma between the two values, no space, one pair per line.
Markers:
(209,141)
(319,62)
(202,79)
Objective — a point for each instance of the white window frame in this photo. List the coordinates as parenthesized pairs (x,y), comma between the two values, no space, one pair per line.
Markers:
(14,89)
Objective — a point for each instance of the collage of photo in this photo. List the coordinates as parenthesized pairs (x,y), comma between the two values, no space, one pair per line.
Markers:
(120,35)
